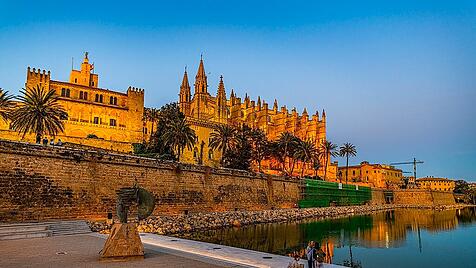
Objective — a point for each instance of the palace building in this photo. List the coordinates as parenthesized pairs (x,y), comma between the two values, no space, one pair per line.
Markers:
(204,111)
(97,117)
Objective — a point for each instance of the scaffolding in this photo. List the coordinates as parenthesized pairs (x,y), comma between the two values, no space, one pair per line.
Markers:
(316,193)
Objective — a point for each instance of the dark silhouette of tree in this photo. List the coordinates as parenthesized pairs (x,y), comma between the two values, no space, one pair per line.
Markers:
(223,138)
(38,112)
(6,105)
(179,136)
(346,150)
(328,149)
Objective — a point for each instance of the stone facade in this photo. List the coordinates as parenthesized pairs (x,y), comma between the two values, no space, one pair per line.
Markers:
(373,175)
(114,117)
(436,184)
(204,111)
(38,182)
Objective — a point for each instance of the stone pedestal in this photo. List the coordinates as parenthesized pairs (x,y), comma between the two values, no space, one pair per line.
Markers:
(123,242)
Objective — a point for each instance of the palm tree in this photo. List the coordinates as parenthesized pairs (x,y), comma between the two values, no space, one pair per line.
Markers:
(305,152)
(286,142)
(346,150)
(152,115)
(179,135)
(39,112)
(316,163)
(259,143)
(6,104)
(328,149)
(223,138)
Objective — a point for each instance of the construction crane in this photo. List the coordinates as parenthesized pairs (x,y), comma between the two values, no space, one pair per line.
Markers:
(414,163)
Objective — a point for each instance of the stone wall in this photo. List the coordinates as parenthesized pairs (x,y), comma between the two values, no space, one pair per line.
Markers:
(423,197)
(39,182)
(378,197)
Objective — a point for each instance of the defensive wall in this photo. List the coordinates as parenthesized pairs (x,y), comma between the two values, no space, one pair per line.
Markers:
(38,182)
(44,182)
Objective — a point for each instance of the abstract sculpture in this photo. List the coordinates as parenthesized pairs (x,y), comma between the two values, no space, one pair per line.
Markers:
(124,240)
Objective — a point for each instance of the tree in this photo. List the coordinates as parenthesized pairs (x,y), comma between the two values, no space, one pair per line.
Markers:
(179,135)
(259,144)
(39,112)
(286,142)
(152,115)
(239,156)
(156,147)
(328,149)
(6,105)
(346,150)
(305,152)
(222,138)
(316,162)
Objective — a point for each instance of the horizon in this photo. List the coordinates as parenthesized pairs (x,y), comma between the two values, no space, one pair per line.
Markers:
(396,80)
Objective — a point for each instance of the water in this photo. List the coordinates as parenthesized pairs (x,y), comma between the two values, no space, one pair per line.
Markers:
(396,238)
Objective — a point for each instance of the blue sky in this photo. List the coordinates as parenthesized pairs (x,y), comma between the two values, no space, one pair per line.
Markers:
(396,78)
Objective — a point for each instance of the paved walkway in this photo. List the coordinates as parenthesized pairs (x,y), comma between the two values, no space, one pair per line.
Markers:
(83,251)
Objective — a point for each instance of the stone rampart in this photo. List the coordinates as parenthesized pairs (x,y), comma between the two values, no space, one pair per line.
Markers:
(38,182)
(423,197)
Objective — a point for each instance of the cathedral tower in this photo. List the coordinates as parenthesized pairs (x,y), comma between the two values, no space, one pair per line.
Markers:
(185,95)
(221,109)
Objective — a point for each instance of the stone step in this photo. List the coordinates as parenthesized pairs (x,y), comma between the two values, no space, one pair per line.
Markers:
(23,228)
(25,234)
(70,233)
(42,229)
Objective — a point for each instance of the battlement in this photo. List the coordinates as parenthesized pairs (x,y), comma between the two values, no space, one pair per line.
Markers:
(135,90)
(39,74)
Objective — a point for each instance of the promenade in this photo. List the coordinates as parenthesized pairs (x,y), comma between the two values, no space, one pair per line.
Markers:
(160,251)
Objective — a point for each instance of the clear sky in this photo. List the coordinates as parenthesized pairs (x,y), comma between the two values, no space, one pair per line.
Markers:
(396,78)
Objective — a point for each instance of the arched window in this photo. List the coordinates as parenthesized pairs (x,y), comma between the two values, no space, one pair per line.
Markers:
(100,98)
(86,95)
(63,92)
(68,92)
(115,101)
(210,154)
(97,98)
(111,100)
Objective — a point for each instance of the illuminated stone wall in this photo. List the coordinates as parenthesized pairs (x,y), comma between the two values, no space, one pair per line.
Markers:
(423,197)
(39,182)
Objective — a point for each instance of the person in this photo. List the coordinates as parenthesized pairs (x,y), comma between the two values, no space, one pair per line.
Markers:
(38,139)
(310,251)
(320,255)
(59,143)
(52,141)
(45,141)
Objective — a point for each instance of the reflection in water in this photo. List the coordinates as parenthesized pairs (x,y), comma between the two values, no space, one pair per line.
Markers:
(384,230)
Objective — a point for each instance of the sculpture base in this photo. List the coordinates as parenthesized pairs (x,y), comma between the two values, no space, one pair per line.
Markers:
(123,243)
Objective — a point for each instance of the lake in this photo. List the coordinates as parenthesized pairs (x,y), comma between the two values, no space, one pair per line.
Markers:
(395,238)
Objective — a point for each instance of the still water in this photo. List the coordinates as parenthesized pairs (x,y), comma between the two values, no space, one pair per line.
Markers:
(396,238)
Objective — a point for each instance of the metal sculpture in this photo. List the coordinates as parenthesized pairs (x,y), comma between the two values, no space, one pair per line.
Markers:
(124,240)
(126,196)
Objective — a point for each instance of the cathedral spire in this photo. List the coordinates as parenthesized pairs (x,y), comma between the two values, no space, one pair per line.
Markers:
(275,105)
(185,83)
(184,96)
(201,83)
(221,88)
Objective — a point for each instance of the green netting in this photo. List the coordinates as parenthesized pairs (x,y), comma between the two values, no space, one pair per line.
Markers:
(316,193)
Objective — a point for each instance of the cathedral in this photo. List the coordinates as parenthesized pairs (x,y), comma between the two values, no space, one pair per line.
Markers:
(203,111)
(113,120)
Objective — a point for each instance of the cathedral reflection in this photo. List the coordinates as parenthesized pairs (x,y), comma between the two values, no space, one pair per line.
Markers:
(387,229)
